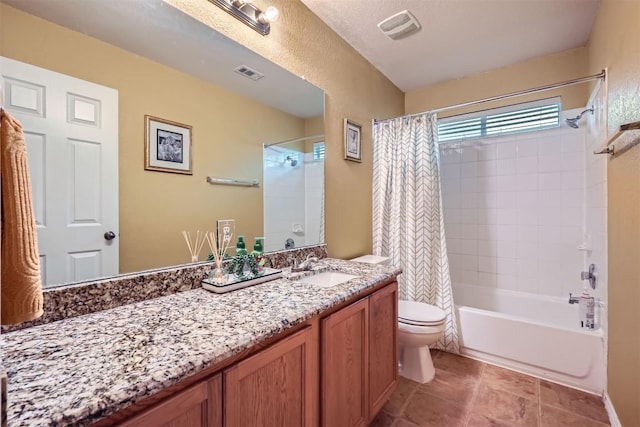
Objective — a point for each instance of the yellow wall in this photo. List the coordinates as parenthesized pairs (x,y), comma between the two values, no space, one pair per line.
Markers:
(535,72)
(155,206)
(313,126)
(303,44)
(615,43)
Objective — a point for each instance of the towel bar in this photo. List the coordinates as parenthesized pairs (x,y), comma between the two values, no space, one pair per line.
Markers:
(232,181)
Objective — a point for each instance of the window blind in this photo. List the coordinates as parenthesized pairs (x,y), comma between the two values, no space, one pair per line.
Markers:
(526,117)
(318,151)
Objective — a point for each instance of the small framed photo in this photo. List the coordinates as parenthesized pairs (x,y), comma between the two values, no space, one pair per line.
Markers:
(167,146)
(352,141)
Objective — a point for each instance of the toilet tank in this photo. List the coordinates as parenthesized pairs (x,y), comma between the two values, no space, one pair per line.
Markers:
(372,259)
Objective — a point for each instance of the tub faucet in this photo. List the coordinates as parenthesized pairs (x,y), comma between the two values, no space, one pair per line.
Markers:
(304,265)
(573,300)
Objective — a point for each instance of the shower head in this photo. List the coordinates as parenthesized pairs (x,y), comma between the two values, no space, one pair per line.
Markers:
(573,122)
(292,161)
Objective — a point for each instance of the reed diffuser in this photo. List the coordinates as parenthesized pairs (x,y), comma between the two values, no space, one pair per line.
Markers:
(218,251)
(194,247)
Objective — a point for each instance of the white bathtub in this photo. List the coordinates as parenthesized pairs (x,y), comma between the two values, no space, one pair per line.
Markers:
(532,334)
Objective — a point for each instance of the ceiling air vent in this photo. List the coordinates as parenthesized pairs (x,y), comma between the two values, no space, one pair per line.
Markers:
(249,72)
(400,25)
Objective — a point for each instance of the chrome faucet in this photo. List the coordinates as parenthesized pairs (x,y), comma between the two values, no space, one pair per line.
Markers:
(304,265)
(573,300)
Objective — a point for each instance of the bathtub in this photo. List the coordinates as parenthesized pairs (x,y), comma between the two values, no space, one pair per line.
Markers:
(529,333)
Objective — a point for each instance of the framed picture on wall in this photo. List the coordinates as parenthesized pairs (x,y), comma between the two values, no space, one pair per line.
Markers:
(352,141)
(167,146)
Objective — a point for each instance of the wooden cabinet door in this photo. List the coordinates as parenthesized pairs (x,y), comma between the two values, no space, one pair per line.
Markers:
(197,406)
(383,349)
(276,387)
(345,358)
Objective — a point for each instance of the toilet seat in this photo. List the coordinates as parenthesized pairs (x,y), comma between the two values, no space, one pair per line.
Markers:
(405,328)
(425,324)
(414,313)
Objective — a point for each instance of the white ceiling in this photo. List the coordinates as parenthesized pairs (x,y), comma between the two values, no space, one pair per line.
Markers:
(458,38)
(158,31)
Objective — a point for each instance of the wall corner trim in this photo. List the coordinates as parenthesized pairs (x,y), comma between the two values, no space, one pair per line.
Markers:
(611,411)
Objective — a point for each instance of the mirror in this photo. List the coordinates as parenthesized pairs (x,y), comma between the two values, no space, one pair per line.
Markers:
(167,65)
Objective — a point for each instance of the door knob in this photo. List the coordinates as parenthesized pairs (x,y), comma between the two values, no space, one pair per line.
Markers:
(109,235)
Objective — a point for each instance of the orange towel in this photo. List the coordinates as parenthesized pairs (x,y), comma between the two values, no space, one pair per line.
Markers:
(20,269)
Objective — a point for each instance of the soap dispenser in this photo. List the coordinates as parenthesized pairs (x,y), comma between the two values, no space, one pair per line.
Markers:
(257,253)
(257,248)
(587,310)
(587,305)
(240,246)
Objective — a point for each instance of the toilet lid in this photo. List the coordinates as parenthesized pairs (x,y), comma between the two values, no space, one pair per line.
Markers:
(418,313)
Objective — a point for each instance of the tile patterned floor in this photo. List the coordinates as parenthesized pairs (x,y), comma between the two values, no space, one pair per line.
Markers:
(469,393)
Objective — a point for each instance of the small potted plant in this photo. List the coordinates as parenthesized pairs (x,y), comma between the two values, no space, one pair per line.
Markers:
(244,267)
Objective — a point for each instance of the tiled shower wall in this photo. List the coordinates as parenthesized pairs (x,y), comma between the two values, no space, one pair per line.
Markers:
(514,210)
(596,188)
(292,199)
(284,203)
(314,202)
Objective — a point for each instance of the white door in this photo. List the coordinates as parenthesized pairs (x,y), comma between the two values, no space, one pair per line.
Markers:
(71,130)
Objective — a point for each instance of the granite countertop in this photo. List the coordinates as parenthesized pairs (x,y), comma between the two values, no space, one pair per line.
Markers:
(79,370)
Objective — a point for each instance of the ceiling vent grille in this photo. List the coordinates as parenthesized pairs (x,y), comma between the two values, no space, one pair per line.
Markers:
(249,73)
(400,25)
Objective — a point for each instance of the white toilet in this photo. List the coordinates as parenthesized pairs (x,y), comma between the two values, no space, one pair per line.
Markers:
(419,326)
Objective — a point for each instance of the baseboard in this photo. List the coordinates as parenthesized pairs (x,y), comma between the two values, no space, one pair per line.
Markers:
(582,384)
(611,411)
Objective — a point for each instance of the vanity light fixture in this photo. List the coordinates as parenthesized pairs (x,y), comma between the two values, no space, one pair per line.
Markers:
(240,3)
(245,11)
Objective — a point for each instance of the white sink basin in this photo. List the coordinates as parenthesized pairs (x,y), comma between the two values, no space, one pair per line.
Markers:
(327,279)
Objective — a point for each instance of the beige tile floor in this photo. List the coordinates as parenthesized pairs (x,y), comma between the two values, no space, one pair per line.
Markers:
(469,393)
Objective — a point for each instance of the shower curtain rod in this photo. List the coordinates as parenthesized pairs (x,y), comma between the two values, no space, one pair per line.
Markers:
(601,75)
(320,135)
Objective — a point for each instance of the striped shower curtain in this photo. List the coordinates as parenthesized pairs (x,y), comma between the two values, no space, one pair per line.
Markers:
(408,224)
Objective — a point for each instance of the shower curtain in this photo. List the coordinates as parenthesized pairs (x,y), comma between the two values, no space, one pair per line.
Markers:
(408,225)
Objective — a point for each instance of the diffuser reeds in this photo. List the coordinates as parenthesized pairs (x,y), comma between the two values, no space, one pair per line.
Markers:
(195,246)
(218,249)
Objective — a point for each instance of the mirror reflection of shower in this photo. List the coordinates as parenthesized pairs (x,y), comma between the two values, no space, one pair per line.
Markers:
(294,193)
(292,161)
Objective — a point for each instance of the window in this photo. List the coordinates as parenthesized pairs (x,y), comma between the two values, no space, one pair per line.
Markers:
(527,117)
(318,151)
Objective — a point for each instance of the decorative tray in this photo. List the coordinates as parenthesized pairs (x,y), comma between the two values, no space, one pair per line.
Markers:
(233,283)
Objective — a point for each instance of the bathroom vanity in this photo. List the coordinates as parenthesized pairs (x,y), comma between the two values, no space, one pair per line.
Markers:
(279,353)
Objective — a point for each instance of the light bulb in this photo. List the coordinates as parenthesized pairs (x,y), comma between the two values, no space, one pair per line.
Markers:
(240,3)
(269,15)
